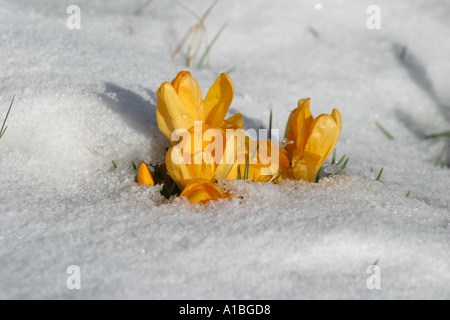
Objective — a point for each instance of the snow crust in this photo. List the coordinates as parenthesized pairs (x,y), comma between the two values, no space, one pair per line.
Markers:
(87,97)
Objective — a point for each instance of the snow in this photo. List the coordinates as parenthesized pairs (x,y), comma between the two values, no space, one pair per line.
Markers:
(87,97)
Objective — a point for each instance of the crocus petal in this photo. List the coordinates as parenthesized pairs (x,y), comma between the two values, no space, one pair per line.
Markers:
(284,166)
(305,165)
(180,116)
(338,119)
(179,172)
(298,126)
(189,92)
(144,175)
(266,170)
(233,173)
(324,134)
(218,101)
(234,122)
(322,139)
(162,115)
(201,192)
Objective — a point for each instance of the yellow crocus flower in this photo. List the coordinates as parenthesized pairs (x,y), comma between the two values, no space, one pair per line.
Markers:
(313,139)
(200,155)
(203,191)
(180,104)
(144,175)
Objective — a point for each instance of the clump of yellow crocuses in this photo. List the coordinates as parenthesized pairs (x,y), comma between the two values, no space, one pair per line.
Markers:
(180,107)
(313,139)
(184,116)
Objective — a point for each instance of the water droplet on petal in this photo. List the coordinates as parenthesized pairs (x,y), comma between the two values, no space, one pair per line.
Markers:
(285,142)
(185,115)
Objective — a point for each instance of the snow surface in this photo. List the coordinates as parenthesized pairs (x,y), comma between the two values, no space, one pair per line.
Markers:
(86,97)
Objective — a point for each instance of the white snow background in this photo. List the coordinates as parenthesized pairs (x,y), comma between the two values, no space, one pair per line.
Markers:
(86,97)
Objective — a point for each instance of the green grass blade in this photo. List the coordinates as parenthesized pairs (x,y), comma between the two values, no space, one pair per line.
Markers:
(379,174)
(254,152)
(341,160)
(318,175)
(408,193)
(247,160)
(279,175)
(190,11)
(3,129)
(314,32)
(230,70)
(3,132)
(345,164)
(287,132)
(247,165)
(202,19)
(142,7)
(270,125)
(114,164)
(133,164)
(439,135)
(382,129)
(333,160)
(208,48)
